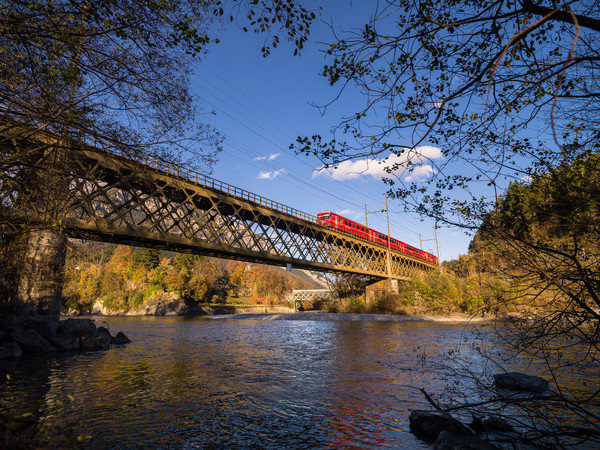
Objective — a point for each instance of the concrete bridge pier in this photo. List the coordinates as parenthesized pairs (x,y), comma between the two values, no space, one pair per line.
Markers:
(41,273)
(375,290)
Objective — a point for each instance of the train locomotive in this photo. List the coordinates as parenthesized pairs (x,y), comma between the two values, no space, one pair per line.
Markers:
(330,219)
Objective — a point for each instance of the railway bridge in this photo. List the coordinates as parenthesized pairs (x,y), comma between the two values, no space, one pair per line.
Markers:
(135,198)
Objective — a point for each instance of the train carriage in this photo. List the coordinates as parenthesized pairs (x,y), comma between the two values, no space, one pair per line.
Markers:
(331,219)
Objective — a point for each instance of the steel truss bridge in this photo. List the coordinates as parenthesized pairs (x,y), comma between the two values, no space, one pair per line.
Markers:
(147,202)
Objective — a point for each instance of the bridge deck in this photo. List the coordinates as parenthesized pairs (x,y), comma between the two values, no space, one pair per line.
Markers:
(153,203)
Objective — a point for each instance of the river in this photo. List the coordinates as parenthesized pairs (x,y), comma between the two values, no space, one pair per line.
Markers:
(189,382)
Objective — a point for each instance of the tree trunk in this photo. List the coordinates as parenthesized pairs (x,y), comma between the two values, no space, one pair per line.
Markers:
(41,273)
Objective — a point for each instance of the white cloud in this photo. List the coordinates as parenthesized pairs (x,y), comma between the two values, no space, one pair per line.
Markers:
(421,169)
(419,173)
(270,157)
(347,213)
(271,175)
(527,179)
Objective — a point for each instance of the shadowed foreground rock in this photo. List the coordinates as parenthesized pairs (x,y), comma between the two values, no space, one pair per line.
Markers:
(19,336)
(450,441)
(445,431)
(520,382)
(427,425)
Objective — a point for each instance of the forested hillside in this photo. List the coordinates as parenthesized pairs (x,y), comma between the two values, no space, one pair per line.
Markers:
(543,238)
(122,278)
(537,253)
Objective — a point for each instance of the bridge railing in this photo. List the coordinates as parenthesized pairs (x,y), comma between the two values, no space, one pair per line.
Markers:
(206,181)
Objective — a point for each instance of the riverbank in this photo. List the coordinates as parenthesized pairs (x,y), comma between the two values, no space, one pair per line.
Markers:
(280,313)
(348,317)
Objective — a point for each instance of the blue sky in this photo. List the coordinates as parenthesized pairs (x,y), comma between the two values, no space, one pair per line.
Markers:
(261,105)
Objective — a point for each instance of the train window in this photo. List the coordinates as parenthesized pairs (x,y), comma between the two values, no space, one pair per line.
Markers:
(324,216)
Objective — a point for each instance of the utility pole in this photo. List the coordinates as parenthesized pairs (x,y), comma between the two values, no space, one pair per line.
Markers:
(387,216)
(420,242)
(436,244)
(389,257)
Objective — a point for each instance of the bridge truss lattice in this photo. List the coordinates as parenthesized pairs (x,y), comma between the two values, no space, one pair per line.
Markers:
(147,202)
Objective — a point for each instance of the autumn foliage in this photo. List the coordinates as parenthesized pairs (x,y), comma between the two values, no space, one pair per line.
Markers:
(123,278)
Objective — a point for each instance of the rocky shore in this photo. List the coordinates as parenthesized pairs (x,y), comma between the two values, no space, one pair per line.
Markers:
(446,432)
(19,336)
(175,306)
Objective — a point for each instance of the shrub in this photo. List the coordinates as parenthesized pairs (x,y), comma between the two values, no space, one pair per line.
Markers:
(385,303)
(136,300)
(356,304)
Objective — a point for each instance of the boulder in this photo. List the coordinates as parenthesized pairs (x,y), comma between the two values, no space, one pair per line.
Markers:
(11,322)
(98,339)
(162,304)
(45,327)
(99,342)
(65,341)
(77,327)
(10,350)
(30,341)
(99,309)
(452,441)
(120,339)
(427,425)
(199,310)
(520,382)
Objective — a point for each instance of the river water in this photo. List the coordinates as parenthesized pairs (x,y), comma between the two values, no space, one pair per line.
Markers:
(189,382)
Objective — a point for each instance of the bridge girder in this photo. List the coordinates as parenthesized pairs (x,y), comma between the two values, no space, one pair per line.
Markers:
(154,204)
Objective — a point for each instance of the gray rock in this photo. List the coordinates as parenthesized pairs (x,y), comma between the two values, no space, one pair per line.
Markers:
(427,425)
(103,333)
(162,304)
(30,340)
(94,339)
(45,327)
(11,322)
(451,441)
(98,342)
(520,382)
(65,341)
(120,339)
(78,327)
(10,350)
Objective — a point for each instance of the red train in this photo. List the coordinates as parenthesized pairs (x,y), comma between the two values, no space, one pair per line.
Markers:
(334,220)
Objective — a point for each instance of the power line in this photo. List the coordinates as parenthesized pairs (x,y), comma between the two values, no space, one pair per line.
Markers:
(362,193)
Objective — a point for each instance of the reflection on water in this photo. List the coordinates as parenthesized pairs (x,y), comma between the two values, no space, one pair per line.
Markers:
(192,382)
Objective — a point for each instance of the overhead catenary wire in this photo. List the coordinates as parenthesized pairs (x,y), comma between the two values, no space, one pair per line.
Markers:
(253,154)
